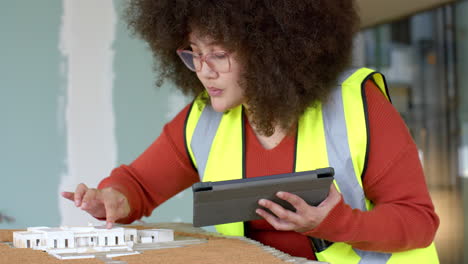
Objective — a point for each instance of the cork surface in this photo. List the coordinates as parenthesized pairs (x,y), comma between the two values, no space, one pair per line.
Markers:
(27,255)
(218,249)
(7,235)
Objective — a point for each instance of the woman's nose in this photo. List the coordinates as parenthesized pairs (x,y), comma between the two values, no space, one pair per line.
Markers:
(206,71)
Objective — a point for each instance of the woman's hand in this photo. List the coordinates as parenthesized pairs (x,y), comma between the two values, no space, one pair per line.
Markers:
(101,203)
(305,218)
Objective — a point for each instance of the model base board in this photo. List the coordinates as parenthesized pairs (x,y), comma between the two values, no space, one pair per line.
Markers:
(95,241)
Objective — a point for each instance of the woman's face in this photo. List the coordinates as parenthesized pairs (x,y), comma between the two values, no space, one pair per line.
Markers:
(223,88)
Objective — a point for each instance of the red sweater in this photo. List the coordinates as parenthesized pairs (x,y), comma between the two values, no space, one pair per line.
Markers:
(403,217)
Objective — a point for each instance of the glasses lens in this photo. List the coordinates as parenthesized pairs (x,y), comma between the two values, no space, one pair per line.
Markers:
(218,61)
(187,58)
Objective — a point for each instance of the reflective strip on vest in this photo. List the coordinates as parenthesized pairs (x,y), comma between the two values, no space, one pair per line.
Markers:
(204,134)
(322,140)
(209,141)
(339,157)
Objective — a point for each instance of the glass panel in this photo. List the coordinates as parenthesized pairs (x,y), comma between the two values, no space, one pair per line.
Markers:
(461,44)
(417,56)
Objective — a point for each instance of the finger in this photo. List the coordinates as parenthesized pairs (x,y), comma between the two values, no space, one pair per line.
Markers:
(109,225)
(267,216)
(108,207)
(113,204)
(278,210)
(296,201)
(79,192)
(68,195)
(333,197)
(277,223)
(88,198)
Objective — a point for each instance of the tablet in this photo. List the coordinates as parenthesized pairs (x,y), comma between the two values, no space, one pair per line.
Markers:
(236,200)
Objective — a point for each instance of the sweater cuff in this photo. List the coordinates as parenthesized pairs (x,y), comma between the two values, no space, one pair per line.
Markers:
(330,228)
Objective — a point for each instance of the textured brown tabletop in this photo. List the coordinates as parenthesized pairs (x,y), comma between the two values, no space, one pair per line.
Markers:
(218,249)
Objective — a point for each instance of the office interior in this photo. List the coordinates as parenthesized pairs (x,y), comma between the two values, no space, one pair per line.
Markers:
(424,56)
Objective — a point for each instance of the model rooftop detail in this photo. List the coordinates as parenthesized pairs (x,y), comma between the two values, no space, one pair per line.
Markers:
(71,242)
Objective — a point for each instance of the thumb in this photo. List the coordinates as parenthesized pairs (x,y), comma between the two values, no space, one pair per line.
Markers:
(333,197)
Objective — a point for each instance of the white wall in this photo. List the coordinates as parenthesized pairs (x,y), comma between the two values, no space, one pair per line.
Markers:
(86,39)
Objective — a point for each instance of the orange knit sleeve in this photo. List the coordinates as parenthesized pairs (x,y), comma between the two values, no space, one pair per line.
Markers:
(160,172)
(403,217)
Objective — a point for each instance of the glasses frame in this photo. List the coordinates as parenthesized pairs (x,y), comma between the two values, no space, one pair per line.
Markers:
(203,58)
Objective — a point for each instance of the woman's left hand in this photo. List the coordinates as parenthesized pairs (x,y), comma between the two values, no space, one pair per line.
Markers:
(305,218)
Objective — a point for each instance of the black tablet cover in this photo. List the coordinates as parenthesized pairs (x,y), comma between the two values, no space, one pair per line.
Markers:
(236,200)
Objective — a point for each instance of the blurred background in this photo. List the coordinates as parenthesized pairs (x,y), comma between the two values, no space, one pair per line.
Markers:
(78,98)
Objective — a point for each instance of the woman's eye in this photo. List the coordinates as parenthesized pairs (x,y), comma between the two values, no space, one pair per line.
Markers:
(219,56)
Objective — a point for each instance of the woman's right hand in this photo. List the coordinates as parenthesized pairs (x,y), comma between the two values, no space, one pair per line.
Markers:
(106,203)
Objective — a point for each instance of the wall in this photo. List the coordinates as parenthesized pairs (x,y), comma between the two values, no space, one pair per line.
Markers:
(78,98)
(141,111)
(32,142)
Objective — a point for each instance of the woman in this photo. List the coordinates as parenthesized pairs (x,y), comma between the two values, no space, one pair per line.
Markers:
(270,82)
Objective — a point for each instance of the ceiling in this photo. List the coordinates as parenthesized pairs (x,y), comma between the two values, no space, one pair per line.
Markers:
(375,12)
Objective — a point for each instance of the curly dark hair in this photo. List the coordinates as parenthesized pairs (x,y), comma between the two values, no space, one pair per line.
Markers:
(292,51)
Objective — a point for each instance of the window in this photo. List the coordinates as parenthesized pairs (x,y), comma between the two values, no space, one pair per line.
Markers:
(425,59)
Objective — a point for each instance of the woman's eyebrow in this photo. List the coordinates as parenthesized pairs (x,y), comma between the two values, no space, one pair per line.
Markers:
(208,43)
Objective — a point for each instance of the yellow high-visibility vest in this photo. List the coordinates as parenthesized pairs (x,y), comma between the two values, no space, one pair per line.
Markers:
(333,134)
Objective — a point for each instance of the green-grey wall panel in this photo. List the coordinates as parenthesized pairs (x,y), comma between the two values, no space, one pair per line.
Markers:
(32,144)
(141,110)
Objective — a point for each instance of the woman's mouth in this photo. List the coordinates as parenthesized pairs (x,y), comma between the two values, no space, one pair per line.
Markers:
(212,91)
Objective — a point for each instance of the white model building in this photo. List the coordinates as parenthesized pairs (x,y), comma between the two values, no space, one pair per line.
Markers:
(70,240)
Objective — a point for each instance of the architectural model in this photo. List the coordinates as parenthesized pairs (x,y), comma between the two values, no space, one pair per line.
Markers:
(85,242)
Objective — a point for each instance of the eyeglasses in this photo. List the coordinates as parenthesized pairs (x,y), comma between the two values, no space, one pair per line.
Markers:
(217,61)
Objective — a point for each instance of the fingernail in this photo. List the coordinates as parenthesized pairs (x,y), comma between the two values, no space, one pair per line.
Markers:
(77,203)
(109,225)
(84,205)
(280,194)
(261,202)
